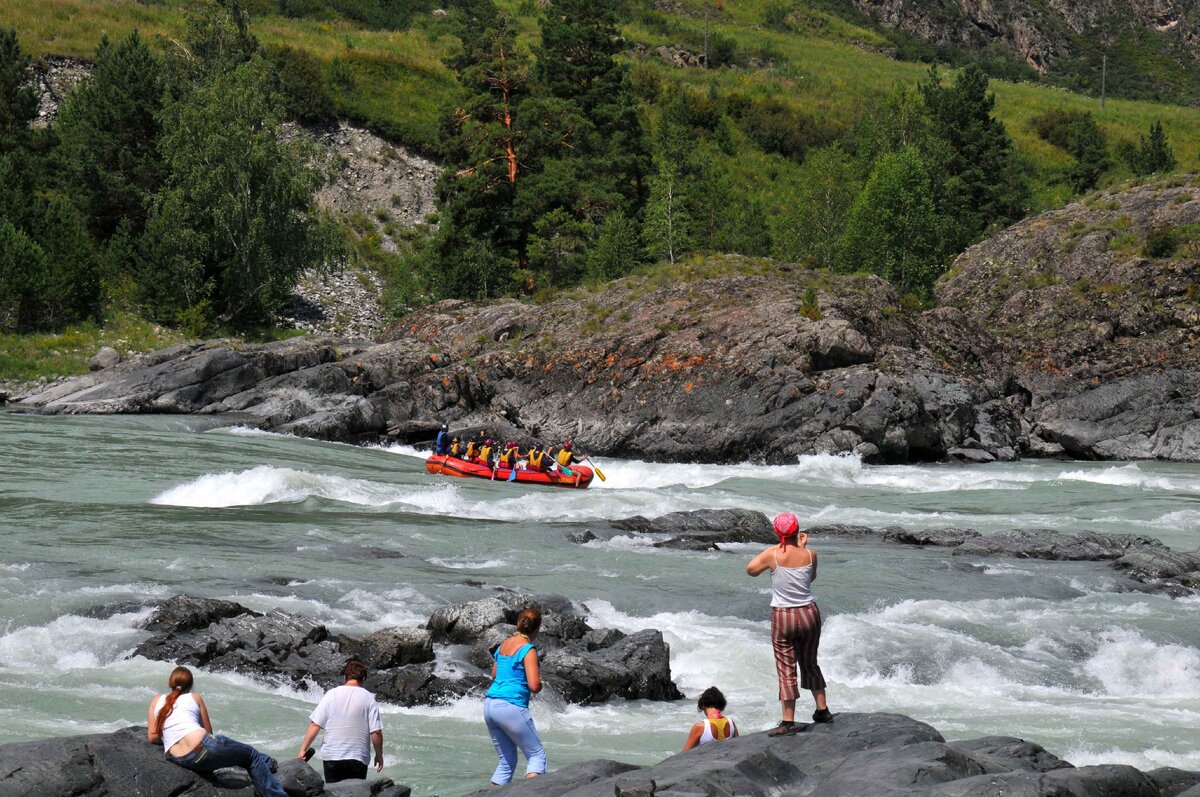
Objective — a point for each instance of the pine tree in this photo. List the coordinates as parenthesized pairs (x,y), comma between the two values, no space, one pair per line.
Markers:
(486,162)
(18,102)
(22,280)
(576,62)
(108,129)
(1154,155)
(1089,146)
(978,186)
(616,250)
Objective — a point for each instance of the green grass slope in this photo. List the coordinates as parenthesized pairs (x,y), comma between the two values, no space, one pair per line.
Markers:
(822,65)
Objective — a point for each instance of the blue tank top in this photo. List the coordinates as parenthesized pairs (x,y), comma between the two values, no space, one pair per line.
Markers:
(510,684)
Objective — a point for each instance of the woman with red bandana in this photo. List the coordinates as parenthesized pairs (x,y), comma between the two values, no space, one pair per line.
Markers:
(795,619)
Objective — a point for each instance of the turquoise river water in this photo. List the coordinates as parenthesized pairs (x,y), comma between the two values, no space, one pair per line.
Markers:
(101,510)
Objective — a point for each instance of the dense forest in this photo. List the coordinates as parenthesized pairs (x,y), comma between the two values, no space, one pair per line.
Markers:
(167,187)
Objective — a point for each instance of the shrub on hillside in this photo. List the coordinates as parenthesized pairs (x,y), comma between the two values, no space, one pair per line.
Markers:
(302,84)
(775,127)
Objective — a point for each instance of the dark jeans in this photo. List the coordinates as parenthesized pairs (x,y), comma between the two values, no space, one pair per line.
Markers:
(219,752)
(349,769)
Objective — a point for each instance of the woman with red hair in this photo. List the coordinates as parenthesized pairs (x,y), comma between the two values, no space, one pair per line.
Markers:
(795,619)
(179,720)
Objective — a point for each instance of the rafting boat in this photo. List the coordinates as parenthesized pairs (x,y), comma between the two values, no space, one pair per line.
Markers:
(446,465)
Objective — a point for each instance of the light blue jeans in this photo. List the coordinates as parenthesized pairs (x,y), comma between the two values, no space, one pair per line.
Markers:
(219,752)
(512,727)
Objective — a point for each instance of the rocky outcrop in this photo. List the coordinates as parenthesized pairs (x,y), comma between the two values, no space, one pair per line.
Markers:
(1097,305)
(383,190)
(581,663)
(654,369)
(855,755)
(125,763)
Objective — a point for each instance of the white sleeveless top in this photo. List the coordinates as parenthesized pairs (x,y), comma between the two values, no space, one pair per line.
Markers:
(183,719)
(707,736)
(791,586)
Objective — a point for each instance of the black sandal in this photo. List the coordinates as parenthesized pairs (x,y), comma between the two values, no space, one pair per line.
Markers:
(784,728)
(822,715)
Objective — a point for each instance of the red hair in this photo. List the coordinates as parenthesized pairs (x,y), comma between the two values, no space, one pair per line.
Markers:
(179,682)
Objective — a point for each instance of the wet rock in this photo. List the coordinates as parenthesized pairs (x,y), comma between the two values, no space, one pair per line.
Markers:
(583,664)
(107,357)
(702,529)
(125,763)
(1008,753)
(1171,781)
(1154,563)
(392,647)
(565,780)
(183,613)
(1050,544)
(581,537)
(948,538)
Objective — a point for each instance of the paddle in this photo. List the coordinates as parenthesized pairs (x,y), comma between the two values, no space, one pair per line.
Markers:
(599,472)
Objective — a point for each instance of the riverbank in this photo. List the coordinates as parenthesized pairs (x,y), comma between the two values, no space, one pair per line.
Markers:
(1093,355)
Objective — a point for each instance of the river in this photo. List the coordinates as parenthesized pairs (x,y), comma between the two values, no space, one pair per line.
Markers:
(102,510)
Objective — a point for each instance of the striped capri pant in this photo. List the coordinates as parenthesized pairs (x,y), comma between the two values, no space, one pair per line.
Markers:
(795,637)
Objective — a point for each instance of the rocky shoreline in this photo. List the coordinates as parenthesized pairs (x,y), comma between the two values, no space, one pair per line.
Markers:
(856,755)
(1093,355)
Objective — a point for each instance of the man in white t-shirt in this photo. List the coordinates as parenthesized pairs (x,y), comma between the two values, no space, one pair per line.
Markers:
(350,718)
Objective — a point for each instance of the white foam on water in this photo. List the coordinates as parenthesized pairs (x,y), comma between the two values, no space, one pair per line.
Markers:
(1129,665)
(247,431)
(270,485)
(1129,476)
(17,567)
(489,564)
(70,643)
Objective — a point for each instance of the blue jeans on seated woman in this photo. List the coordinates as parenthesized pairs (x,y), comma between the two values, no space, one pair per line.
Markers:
(511,726)
(219,752)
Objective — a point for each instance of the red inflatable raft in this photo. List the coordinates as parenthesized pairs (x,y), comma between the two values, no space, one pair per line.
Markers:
(446,465)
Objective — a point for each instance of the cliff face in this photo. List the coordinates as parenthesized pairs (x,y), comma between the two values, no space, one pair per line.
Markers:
(1040,32)
(1100,309)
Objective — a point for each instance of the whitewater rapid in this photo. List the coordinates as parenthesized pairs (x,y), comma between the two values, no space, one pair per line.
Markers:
(117,512)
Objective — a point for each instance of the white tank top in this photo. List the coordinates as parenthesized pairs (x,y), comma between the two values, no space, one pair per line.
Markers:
(791,586)
(707,736)
(183,719)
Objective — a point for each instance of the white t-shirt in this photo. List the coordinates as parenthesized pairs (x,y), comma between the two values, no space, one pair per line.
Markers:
(183,719)
(349,716)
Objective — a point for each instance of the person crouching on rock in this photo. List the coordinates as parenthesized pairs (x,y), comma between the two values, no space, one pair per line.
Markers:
(715,726)
(506,706)
(179,719)
(795,619)
(352,724)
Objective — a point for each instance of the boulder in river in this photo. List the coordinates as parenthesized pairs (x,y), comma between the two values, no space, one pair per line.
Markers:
(583,664)
(703,529)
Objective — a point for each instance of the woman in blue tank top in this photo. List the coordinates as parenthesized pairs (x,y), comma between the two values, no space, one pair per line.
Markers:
(506,705)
